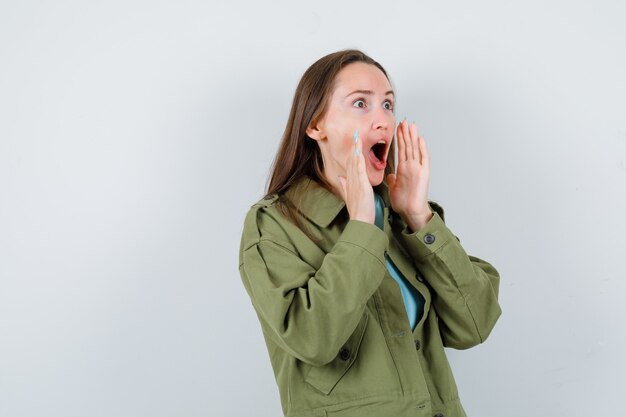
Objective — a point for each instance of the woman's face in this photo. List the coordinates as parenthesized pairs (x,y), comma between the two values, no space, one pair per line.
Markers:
(363,100)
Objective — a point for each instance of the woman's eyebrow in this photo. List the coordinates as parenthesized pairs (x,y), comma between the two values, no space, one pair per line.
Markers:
(370,92)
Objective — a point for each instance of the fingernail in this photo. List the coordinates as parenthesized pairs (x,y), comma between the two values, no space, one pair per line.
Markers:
(356,135)
(357,152)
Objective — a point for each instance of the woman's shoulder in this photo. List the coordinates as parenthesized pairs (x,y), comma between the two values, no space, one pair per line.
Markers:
(265,221)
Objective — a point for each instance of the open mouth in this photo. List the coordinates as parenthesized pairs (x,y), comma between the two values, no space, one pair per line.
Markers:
(378,151)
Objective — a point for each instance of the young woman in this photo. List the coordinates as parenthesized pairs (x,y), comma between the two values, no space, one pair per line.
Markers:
(356,280)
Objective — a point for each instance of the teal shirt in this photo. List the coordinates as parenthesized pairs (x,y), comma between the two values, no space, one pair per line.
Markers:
(413,300)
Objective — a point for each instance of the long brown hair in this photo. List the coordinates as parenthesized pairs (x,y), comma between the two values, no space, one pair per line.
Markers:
(298,155)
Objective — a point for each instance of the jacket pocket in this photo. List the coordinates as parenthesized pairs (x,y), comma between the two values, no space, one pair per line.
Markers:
(324,378)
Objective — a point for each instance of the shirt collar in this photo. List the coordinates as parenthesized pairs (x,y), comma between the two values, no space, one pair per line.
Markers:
(322,206)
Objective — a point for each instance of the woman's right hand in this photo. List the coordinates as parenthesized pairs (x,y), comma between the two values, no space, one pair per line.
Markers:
(355,187)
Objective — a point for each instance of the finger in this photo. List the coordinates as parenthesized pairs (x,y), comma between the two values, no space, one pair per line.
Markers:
(353,173)
(407,139)
(425,154)
(358,146)
(360,161)
(347,177)
(357,143)
(342,186)
(353,155)
(360,170)
(401,144)
(415,142)
(348,163)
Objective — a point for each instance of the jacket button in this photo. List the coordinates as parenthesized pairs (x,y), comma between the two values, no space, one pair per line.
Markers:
(439,415)
(344,354)
(420,278)
(428,238)
(417,346)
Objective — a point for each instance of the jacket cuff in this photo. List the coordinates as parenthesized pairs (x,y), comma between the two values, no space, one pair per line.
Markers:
(429,239)
(367,236)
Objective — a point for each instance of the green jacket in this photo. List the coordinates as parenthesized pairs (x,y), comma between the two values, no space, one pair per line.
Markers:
(334,321)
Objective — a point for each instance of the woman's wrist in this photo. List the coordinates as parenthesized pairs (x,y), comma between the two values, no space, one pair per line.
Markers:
(417,221)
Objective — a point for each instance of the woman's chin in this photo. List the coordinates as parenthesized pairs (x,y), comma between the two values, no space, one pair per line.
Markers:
(376,177)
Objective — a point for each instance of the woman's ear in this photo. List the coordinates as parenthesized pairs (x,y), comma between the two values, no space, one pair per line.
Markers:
(315,132)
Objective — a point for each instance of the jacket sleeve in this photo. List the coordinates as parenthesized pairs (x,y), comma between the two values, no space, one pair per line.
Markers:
(307,312)
(465,287)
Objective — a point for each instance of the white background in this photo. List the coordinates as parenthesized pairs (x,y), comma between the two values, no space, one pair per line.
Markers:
(134,136)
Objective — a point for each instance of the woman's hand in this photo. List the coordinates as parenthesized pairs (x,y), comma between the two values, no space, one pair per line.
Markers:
(408,188)
(356,189)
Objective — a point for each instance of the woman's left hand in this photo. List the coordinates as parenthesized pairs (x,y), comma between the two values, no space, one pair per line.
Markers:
(408,188)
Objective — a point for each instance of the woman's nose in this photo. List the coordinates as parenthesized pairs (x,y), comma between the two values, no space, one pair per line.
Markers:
(381,120)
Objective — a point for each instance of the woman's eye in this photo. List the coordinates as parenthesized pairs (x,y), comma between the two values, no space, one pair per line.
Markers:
(360,103)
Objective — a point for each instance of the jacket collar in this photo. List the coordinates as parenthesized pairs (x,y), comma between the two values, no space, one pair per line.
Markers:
(319,204)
